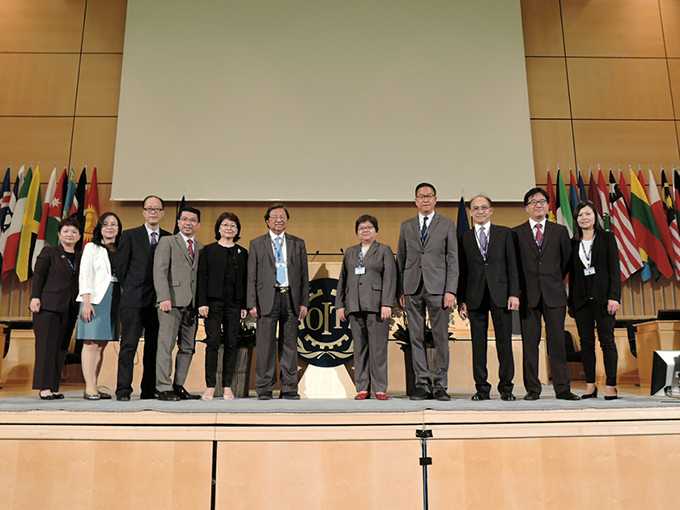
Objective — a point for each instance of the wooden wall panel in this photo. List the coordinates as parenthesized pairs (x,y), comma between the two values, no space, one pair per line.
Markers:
(603,88)
(104,26)
(99,84)
(553,145)
(41,25)
(612,28)
(45,140)
(547,84)
(625,142)
(94,142)
(674,71)
(542,25)
(670,18)
(39,84)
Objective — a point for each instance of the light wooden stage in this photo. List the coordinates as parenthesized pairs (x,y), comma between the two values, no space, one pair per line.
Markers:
(327,454)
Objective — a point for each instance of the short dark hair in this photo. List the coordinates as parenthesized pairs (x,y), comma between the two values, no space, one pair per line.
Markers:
(70,222)
(481,195)
(277,205)
(364,218)
(156,197)
(189,209)
(228,216)
(578,231)
(98,238)
(425,185)
(532,192)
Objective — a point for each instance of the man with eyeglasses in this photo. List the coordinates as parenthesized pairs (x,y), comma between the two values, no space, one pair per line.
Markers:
(427,266)
(134,269)
(278,295)
(543,253)
(175,271)
(488,284)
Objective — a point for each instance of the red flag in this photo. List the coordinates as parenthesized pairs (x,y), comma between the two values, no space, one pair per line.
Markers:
(552,207)
(660,216)
(56,211)
(603,193)
(91,209)
(623,188)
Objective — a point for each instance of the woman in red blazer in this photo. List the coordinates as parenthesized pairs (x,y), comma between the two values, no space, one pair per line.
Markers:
(54,307)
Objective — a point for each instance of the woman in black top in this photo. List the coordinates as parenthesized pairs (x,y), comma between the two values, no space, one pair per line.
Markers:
(222,271)
(595,294)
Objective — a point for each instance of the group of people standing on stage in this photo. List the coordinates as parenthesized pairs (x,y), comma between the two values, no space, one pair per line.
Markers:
(152,282)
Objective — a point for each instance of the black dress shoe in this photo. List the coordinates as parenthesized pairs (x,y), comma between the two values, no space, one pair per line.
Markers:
(290,395)
(264,396)
(481,395)
(168,396)
(46,397)
(612,397)
(441,395)
(149,396)
(508,396)
(532,395)
(567,395)
(184,394)
(421,394)
(125,397)
(58,396)
(590,395)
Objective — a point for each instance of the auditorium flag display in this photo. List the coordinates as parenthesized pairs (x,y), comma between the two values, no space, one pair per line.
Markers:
(49,196)
(9,215)
(6,196)
(56,209)
(91,209)
(29,228)
(660,216)
(552,209)
(564,216)
(672,222)
(9,259)
(629,256)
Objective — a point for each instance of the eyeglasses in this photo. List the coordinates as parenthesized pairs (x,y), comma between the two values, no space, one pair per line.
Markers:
(365,229)
(534,203)
(188,220)
(228,225)
(110,225)
(423,197)
(278,217)
(153,209)
(482,208)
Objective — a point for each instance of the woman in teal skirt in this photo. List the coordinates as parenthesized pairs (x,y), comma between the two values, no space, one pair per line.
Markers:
(99,294)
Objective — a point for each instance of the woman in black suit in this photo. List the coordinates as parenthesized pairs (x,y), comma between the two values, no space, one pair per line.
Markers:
(54,307)
(222,270)
(595,294)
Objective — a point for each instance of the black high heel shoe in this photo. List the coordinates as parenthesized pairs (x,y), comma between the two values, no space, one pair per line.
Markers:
(590,395)
(612,397)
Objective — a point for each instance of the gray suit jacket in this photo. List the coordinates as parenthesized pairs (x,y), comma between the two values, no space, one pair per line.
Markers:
(174,275)
(435,262)
(262,273)
(372,290)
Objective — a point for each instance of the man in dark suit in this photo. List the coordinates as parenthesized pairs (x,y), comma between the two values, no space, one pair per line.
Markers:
(175,272)
(543,252)
(134,269)
(278,294)
(427,263)
(488,283)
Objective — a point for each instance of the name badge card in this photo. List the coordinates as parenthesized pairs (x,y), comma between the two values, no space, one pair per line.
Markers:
(589,271)
(359,270)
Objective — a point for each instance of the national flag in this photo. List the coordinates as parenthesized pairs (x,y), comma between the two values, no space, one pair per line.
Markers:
(629,255)
(91,209)
(49,196)
(564,216)
(9,215)
(672,222)
(9,260)
(573,191)
(646,230)
(70,193)
(78,205)
(6,196)
(581,187)
(182,205)
(594,196)
(56,211)
(603,195)
(463,223)
(623,187)
(552,206)
(660,216)
(30,227)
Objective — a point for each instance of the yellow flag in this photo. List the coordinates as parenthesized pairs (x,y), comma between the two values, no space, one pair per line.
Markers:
(30,227)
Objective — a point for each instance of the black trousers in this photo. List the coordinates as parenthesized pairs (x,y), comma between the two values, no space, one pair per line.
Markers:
(222,317)
(479,327)
(586,319)
(133,322)
(53,331)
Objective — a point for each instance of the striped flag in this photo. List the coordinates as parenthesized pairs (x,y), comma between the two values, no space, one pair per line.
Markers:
(42,231)
(29,228)
(603,194)
(564,216)
(631,262)
(9,259)
(672,222)
(552,206)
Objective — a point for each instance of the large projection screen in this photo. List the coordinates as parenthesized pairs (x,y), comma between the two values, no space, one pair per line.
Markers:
(322,100)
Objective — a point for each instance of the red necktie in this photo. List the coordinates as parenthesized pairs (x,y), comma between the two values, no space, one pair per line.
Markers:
(191,249)
(539,235)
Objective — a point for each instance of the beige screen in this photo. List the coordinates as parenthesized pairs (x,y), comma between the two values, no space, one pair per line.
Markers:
(313,100)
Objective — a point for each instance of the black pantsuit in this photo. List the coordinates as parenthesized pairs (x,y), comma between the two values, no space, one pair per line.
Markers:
(223,317)
(586,318)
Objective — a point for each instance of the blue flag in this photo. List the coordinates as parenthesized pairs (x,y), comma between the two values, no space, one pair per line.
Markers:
(463,223)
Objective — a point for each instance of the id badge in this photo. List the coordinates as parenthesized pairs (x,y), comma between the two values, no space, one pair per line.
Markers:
(280,264)
(589,271)
(359,270)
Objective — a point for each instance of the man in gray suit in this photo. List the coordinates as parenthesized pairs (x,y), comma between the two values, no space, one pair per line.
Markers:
(427,262)
(278,294)
(174,275)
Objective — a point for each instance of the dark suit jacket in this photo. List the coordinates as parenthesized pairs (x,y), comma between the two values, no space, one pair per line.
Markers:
(134,268)
(262,273)
(541,273)
(605,284)
(435,262)
(498,271)
(211,268)
(54,281)
(374,289)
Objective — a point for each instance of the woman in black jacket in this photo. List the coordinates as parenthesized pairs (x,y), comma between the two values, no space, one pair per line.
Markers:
(222,272)
(595,294)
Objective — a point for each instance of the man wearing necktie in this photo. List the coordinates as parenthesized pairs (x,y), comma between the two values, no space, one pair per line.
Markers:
(543,254)
(427,266)
(278,295)
(174,273)
(488,284)
(134,269)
